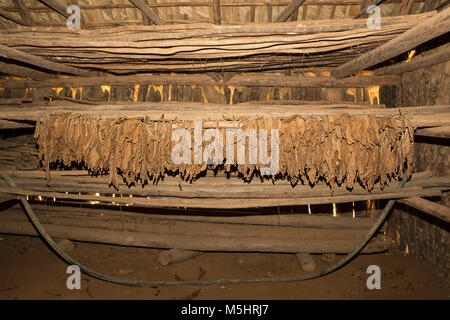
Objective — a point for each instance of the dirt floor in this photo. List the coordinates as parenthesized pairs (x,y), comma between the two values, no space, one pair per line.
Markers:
(29,270)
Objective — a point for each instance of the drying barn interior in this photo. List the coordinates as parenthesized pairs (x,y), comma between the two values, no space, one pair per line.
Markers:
(280,149)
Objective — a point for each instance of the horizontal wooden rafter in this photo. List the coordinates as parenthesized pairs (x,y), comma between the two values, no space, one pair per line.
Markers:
(249,80)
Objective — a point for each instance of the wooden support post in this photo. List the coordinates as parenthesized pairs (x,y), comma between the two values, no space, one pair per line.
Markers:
(217,13)
(23,11)
(172,256)
(429,29)
(147,11)
(294,5)
(435,209)
(13,54)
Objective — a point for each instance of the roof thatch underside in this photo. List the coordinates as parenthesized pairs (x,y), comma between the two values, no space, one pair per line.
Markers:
(100,13)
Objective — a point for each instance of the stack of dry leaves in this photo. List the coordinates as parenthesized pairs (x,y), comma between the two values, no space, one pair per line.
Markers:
(338,149)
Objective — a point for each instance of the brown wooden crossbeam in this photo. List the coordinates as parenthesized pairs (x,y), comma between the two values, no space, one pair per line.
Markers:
(363,11)
(147,11)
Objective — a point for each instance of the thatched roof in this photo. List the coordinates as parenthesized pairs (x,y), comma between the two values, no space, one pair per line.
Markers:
(100,13)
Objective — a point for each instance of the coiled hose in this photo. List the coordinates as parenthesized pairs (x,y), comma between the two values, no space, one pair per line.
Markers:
(29,211)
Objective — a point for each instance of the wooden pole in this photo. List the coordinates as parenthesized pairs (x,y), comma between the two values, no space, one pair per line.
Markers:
(13,54)
(23,11)
(435,56)
(429,29)
(217,13)
(289,10)
(405,7)
(147,11)
(24,72)
(10,17)
(435,209)
(56,6)
(247,80)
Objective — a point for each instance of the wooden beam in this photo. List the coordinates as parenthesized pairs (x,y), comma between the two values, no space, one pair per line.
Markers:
(10,17)
(23,11)
(147,11)
(24,72)
(217,13)
(13,54)
(198,242)
(429,29)
(438,55)
(247,80)
(56,6)
(290,9)
(437,132)
(432,208)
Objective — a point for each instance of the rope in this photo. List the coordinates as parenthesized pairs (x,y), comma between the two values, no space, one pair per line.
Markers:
(29,211)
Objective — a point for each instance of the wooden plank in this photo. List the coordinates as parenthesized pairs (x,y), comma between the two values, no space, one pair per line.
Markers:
(248,80)
(23,11)
(437,132)
(431,28)
(289,10)
(147,11)
(435,56)
(13,54)
(435,209)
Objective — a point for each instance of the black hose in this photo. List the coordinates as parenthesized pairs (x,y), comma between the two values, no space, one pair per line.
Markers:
(94,274)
